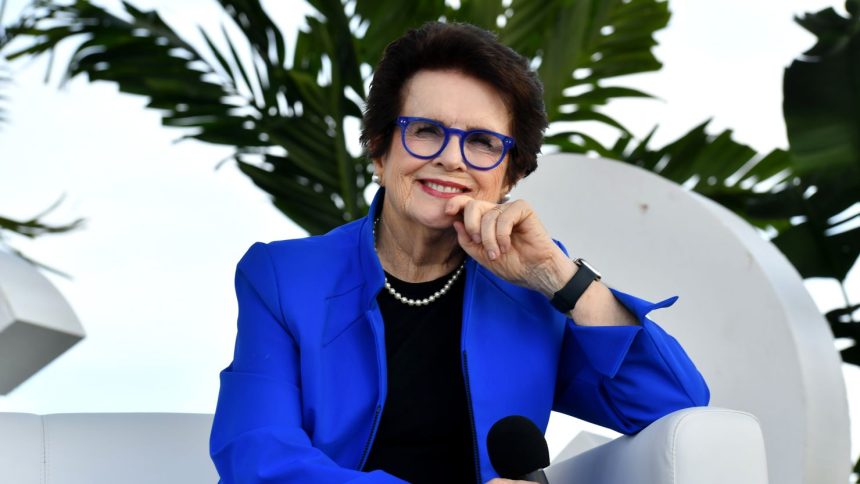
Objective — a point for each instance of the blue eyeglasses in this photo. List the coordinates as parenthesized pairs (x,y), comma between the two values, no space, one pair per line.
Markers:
(426,138)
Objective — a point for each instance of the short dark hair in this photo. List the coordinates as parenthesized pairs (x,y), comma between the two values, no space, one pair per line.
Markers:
(474,52)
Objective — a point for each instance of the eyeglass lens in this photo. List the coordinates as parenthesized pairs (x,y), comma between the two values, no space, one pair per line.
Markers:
(426,139)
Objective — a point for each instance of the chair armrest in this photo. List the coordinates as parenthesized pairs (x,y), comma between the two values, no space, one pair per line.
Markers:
(701,445)
(95,448)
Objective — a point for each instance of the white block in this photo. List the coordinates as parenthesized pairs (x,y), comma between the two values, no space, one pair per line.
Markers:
(36,323)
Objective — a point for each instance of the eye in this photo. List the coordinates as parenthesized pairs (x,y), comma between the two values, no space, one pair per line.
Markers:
(484,142)
(423,129)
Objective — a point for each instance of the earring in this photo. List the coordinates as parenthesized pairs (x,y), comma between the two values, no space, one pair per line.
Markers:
(505,198)
(375,179)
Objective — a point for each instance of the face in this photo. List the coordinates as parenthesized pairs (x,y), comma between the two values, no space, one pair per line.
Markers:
(416,190)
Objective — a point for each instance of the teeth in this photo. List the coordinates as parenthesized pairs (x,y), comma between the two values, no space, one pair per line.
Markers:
(443,189)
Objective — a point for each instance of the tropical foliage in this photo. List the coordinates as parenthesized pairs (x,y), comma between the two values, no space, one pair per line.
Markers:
(286,115)
(822,115)
(32,227)
(813,206)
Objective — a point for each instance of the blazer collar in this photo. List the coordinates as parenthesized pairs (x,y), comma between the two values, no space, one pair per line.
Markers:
(374,277)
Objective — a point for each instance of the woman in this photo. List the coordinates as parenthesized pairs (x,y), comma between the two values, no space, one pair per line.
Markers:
(385,350)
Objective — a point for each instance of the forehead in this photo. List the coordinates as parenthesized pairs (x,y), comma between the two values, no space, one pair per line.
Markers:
(456,99)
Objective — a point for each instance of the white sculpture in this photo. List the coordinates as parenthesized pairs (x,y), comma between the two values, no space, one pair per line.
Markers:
(743,315)
(36,323)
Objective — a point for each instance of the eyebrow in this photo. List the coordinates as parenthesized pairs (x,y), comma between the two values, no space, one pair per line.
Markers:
(469,127)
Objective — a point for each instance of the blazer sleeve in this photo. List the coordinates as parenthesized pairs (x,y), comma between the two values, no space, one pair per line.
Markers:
(257,434)
(626,377)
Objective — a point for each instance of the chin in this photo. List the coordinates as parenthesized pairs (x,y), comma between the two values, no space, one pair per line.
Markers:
(435,218)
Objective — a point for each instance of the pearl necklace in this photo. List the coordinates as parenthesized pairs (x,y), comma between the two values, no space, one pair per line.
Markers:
(418,302)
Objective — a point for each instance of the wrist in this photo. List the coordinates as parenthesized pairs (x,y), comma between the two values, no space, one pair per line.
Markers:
(576,288)
(555,275)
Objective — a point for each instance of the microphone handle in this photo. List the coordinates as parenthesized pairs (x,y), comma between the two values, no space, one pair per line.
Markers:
(537,476)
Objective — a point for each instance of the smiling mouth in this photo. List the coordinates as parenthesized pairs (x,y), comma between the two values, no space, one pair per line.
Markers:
(443,188)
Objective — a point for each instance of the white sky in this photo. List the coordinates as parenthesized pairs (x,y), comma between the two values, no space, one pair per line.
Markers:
(153,268)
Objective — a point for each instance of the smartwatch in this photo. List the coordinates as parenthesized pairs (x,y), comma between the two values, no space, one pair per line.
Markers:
(565,299)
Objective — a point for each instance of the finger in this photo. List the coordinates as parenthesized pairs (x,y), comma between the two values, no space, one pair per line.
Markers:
(462,237)
(472,214)
(488,232)
(456,204)
(508,219)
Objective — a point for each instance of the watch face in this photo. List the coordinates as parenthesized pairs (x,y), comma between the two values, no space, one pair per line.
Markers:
(590,267)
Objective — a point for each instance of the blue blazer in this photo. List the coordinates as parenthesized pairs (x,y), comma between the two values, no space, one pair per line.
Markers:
(302,398)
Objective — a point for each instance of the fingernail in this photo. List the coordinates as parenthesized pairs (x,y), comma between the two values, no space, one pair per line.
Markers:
(492,255)
(476,238)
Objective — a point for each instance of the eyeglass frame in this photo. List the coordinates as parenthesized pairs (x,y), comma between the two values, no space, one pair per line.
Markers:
(507,141)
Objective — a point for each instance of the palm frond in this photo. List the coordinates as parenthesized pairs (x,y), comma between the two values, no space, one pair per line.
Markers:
(34,227)
(822,115)
(581,47)
(232,90)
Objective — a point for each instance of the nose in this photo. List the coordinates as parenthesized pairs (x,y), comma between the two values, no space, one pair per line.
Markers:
(451,158)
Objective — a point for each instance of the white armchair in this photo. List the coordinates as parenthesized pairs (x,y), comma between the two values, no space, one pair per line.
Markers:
(694,446)
(95,448)
(702,445)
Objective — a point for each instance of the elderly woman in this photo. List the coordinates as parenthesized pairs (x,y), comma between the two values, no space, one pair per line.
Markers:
(385,350)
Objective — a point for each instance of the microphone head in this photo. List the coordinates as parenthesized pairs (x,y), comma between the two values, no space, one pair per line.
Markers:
(516,447)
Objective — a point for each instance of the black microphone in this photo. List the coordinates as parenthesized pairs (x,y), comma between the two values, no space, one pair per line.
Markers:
(518,449)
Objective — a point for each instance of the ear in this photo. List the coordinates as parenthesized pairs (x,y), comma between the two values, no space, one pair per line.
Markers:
(506,192)
(379,170)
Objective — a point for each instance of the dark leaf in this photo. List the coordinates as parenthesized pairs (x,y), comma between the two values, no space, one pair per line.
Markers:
(851,355)
(842,318)
(822,114)
(33,228)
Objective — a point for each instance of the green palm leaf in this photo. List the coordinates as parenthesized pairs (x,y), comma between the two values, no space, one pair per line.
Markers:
(288,128)
(240,95)
(285,117)
(582,45)
(596,40)
(822,114)
(34,227)
(720,168)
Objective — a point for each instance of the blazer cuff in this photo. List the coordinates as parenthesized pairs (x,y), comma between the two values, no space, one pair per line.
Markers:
(606,347)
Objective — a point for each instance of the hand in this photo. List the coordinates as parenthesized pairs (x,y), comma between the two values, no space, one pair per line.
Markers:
(511,241)
(499,480)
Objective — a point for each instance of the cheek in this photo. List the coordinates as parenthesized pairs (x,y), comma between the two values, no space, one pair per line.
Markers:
(399,180)
(400,164)
(490,185)
(403,189)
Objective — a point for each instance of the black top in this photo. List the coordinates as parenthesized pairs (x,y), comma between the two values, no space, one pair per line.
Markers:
(425,432)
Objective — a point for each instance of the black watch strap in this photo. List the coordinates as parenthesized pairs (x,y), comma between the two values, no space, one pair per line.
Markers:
(565,299)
